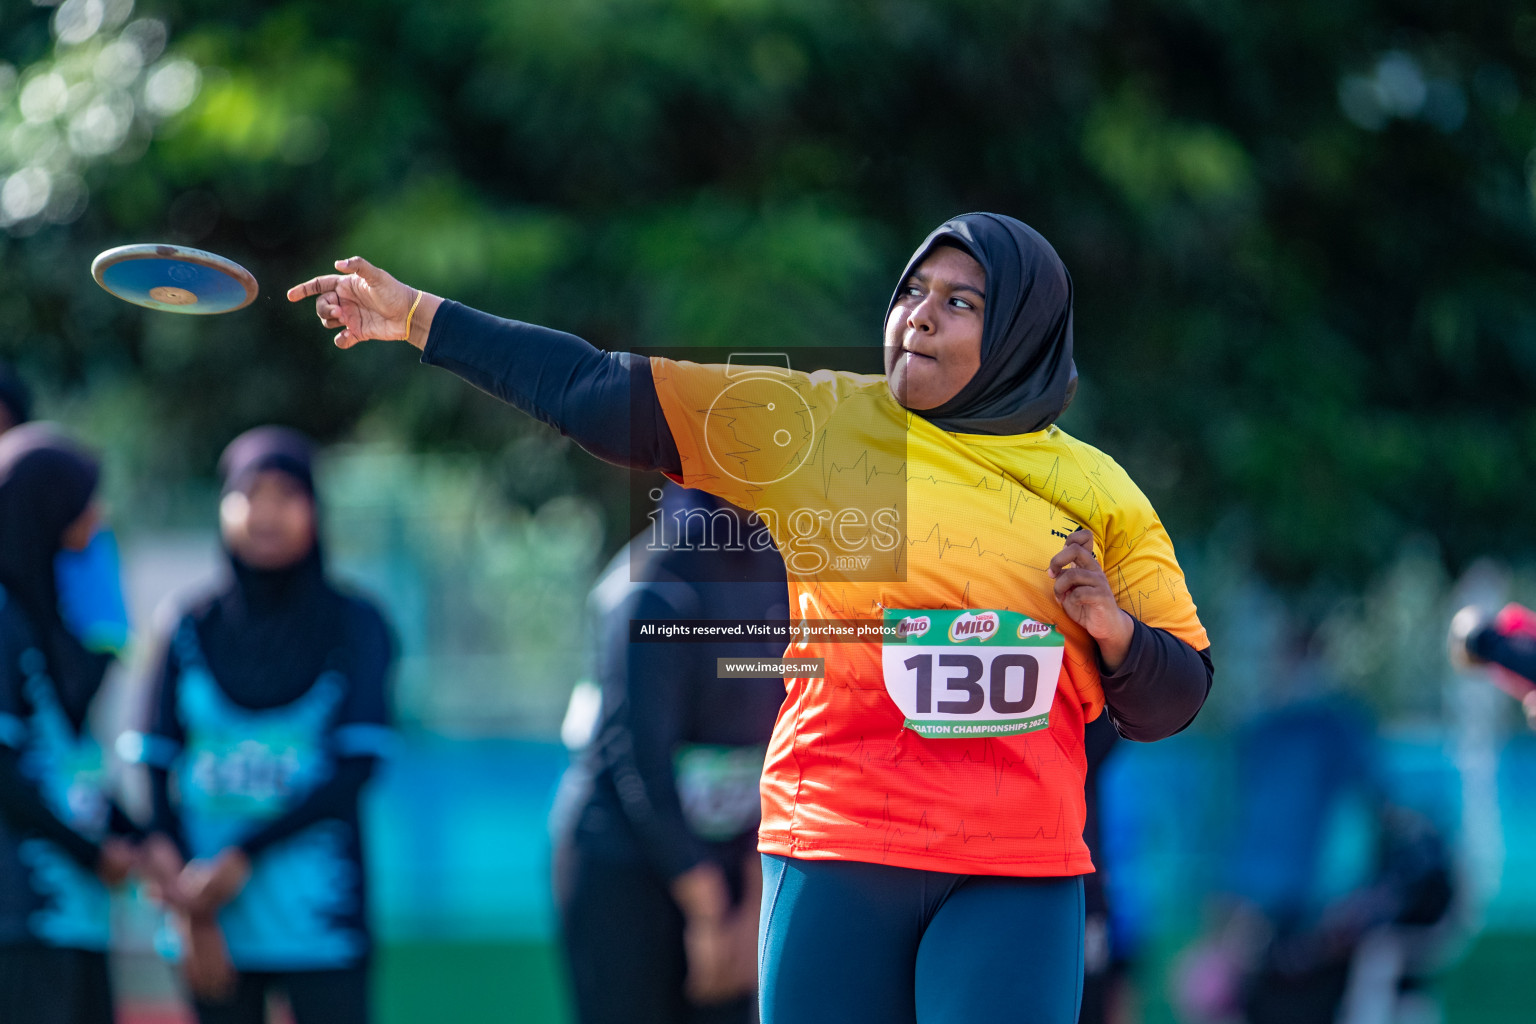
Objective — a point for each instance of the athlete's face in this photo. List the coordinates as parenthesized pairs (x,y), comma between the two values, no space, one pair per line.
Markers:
(270,524)
(933,335)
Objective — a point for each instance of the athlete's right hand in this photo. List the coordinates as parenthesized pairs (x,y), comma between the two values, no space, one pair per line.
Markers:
(367,304)
(1083,589)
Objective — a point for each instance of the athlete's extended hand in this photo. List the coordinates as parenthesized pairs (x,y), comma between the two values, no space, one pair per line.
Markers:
(1089,600)
(206,885)
(367,304)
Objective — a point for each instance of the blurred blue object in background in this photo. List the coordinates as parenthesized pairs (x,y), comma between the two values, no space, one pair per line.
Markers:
(457,839)
(90,586)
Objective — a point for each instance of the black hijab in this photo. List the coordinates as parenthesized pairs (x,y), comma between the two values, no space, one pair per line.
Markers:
(270,632)
(1027,378)
(46,482)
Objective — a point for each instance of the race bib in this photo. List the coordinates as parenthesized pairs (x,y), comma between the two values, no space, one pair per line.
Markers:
(718,789)
(253,777)
(971,673)
(242,765)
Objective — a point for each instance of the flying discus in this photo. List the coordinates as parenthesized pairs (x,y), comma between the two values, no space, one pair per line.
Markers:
(175,279)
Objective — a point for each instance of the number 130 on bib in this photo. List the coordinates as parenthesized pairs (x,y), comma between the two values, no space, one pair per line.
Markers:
(971,673)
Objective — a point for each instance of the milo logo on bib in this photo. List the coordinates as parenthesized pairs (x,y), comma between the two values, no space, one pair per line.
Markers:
(982,626)
(970,673)
(1030,629)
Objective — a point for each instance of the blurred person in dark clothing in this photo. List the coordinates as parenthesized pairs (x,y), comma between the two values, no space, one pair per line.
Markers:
(15,399)
(656,867)
(1327,859)
(268,715)
(1101,970)
(1323,861)
(1505,643)
(89,580)
(63,842)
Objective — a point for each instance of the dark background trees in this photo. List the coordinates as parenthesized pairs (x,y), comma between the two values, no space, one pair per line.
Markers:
(1302,234)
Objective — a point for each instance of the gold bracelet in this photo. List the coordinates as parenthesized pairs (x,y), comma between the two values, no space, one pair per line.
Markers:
(411,314)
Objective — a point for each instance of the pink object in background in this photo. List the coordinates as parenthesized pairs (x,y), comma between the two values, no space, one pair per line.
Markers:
(1514,620)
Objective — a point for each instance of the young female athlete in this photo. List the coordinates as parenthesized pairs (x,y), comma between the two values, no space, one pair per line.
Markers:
(923,799)
(62,841)
(268,715)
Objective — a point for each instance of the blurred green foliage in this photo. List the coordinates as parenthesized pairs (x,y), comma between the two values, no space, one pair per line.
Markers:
(488,600)
(1302,235)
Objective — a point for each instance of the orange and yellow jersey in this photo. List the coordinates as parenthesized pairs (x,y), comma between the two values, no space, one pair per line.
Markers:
(880,515)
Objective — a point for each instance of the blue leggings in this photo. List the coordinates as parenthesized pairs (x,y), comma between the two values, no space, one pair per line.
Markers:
(847,943)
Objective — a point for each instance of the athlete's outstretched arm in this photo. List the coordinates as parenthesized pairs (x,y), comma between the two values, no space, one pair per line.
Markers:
(604,401)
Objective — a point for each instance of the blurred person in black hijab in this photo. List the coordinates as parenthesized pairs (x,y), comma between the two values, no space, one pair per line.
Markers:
(62,840)
(656,870)
(89,581)
(268,715)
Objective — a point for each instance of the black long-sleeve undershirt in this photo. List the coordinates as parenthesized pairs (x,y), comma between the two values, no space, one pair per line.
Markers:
(606,402)
(1159,688)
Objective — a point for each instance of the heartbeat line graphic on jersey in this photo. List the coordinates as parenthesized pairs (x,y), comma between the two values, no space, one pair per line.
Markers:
(943,545)
(863,465)
(964,834)
(894,830)
(980,520)
(1162,583)
(1036,755)
(752,405)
